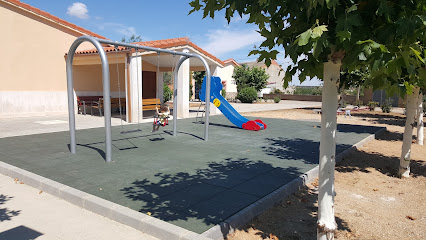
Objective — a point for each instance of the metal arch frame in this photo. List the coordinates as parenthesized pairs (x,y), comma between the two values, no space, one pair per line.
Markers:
(106,87)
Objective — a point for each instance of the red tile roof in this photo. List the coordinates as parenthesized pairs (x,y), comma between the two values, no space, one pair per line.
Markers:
(53,18)
(166,43)
(231,60)
(274,62)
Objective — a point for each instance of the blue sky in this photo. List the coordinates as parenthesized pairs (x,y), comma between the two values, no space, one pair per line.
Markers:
(163,19)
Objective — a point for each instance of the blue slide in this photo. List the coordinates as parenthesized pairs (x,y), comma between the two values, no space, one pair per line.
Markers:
(226,108)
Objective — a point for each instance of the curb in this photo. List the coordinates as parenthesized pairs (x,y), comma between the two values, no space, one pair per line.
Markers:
(139,221)
(231,224)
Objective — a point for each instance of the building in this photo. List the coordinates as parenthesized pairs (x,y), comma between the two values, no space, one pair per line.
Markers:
(33,65)
(274,71)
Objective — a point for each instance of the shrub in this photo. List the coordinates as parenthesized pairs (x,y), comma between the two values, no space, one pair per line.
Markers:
(167,93)
(276,91)
(343,104)
(266,98)
(316,91)
(358,103)
(247,95)
(223,93)
(371,105)
(277,99)
(387,106)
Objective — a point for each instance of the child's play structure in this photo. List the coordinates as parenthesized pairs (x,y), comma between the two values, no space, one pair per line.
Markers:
(226,108)
(106,86)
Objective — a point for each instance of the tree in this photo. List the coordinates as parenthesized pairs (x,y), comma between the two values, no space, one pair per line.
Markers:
(324,37)
(131,39)
(167,78)
(356,78)
(250,77)
(420,124)
(198,76)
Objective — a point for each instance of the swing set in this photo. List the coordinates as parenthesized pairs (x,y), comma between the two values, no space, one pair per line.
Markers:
(106,87)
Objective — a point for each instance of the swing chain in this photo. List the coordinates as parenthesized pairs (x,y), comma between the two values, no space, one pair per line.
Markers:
(118,85)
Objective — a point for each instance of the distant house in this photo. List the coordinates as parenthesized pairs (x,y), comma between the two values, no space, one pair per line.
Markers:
(275,80)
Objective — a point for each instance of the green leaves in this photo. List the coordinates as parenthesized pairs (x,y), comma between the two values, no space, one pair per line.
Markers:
(317,32)
(352,8)
(417,53)
(387,36)
(344,35)
(303,38)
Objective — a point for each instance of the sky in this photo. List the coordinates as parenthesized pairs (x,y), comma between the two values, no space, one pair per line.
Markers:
(163,19)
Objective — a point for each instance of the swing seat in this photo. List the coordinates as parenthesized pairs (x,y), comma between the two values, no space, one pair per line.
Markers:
(166,122)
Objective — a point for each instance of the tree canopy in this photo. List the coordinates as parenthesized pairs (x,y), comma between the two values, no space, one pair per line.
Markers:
(388,35)
(131,39)
(250,77)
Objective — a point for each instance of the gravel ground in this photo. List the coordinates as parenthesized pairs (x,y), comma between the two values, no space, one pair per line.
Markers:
(371,202)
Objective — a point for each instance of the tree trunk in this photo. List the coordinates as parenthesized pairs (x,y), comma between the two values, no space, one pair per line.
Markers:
(420,123)
(404,161)
(357,93)
(326,221)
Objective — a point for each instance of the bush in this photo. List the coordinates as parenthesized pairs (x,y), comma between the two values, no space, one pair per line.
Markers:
(343,104)
(276,91)
(167,93)
(359,103)
(371,105)
(223,93)
(247,95)
(277,99)
(387,106)
(316,91)
(265,99)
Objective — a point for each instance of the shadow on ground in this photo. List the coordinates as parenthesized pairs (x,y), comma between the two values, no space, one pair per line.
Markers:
(5,213)
(20,233)
(294,217)
(297,149)
(382,118)
(362,161)
(210,195)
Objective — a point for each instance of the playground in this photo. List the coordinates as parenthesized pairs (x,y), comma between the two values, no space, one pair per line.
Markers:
(183,180)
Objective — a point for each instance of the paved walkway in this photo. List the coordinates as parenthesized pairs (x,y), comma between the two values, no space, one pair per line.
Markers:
(25,213)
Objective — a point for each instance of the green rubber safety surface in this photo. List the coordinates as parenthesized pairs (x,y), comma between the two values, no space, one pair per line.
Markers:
(183,180)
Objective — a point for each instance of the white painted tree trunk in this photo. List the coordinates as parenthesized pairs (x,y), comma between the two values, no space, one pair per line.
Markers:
(404,161)
(326,221)
(358,92)
(420,123)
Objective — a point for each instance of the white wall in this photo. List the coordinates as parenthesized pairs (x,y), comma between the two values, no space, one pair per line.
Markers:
(225,74)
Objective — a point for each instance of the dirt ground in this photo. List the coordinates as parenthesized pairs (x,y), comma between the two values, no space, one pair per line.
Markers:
(371,202)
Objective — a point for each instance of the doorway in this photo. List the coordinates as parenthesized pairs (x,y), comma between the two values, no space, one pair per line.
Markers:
(149,84)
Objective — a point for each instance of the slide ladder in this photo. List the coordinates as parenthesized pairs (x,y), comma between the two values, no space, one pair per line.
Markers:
(226,108)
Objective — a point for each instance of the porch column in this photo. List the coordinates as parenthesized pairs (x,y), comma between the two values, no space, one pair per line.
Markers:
(214,70)
(136,89)
(160,92)
(183,89)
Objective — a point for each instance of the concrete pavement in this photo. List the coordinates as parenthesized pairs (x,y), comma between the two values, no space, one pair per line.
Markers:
(25,213)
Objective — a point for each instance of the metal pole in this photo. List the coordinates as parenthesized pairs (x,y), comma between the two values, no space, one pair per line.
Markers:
(106,87)
(106,91)
(175,95)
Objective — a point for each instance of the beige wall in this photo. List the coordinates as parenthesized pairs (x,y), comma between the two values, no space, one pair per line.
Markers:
(89,78)
(32,60)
